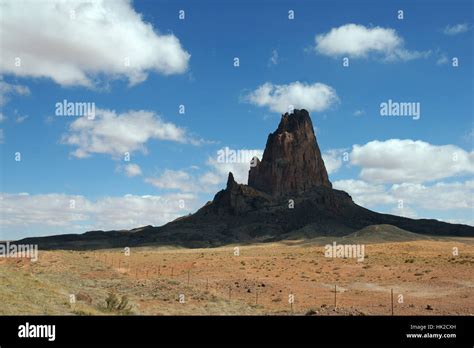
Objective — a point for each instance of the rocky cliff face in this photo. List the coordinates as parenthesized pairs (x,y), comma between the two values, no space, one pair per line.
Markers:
(238,199)
(292,162)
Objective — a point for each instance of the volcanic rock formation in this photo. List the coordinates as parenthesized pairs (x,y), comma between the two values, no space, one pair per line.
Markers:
(292,162)
(288,195)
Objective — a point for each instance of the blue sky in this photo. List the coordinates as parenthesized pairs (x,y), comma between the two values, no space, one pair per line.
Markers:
(426,164)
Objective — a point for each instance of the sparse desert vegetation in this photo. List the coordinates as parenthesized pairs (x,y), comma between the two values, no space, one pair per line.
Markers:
(259,281)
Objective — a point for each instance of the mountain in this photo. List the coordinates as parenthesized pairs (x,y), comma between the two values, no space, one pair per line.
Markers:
(288,195)
(384,233)
(292,162)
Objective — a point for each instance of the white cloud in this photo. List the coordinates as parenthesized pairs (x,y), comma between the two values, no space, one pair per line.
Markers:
(212,178)
(404,211)
(359,112)
(466,221)
(8,89)
(174,180)
(442,59)
(2,136)
(236,161)
(358,41)
(469,136)
(2,117)
(365,194)
(182,181)
(115,134)
(21,118)
(333,159)
(456,29)
(25,212)
(312,97)
(273,59)
(76,42)
(239,170)
(409,161)
(439,196)
(132,169)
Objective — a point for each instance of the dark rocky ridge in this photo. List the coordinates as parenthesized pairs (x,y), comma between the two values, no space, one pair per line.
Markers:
(292,171)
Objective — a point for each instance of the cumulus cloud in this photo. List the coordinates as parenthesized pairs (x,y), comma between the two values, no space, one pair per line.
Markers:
(174,180)
(409,171)
(278,98)
(116,134)
(239,170)
(410,161)
(132,170)
(218,168)
(76,42)
(9,89)
(236,161)
(74,212)
(183,181)
(358,41)
(333,159)
(363,193)
(438,196)
(456,29)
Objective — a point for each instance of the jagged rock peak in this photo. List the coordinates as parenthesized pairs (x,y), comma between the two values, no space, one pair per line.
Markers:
(292,162)
(230,181)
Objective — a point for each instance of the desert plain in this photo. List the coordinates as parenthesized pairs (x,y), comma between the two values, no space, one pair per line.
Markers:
(426,276)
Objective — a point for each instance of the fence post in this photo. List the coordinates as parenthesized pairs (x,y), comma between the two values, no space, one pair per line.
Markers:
(391,293)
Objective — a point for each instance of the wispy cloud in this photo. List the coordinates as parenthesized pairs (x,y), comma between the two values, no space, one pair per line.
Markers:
(274,58)
(9,89)
(442,59)
(456,29)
